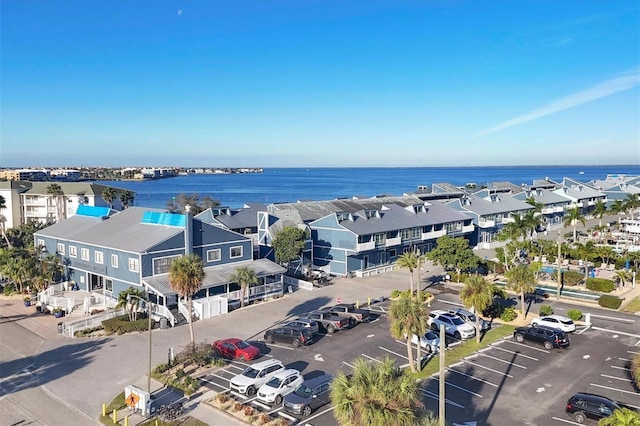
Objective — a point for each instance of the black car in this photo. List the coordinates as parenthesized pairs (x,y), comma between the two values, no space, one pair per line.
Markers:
(297,336)
(548,337)
(582,406)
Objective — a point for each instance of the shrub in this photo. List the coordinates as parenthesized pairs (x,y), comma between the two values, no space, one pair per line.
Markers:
(546,310)
(189,385)
(571,278)
(161,368)
(508,314)
(574,314)
(87,331)
(180,373)
(121,325)
(635,369)
(237,406)
(494,310)
(600,284)
(8,289)
(395,294)
(264,418)
(222,397)
(609,301)
(248,411)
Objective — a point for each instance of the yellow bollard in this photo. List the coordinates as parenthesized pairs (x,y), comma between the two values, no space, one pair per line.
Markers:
(126,420)
(357,304)
(156,422)
(104,410)
(369,301)
(115,416)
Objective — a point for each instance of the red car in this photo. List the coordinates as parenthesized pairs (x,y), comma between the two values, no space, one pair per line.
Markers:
(236,349)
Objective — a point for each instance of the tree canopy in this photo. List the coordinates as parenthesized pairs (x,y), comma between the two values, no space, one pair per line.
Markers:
(407,317)
(185,277)
(288,244)
(477,293)
(197,204)
(521,279)
(245,277)
(453,253)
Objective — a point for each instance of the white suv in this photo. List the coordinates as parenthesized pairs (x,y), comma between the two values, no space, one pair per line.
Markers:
(255,376)
(279,386)
(453,325)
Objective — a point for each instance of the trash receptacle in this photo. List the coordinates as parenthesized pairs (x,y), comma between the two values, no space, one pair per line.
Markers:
(60,327)
(163,323)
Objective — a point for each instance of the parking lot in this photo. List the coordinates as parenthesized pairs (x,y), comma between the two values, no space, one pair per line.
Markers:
(504,384)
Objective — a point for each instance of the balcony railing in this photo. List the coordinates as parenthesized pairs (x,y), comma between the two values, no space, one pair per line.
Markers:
(365,246)
(486,223)
(393,241)
(433,234)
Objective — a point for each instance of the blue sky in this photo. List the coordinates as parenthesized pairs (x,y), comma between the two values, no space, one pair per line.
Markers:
(319,83)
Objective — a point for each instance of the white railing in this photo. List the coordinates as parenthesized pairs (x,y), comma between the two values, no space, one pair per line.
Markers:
(486,223)
(71,327)
(182,308)
(163,311)
(256,292)
(469,228)
(433,234)
(366,246)
(393,241)
(297,283)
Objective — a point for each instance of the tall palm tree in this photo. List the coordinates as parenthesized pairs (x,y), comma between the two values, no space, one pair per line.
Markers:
(108,195)
(521,279)
(245,277)
(599,210)
(618,208)
(408,260)
(185,277)
(623,275)
(477,293)
(511,233)
(631,202)
(3,220)
(126,198)
(621,417)
(571,218)
(131,304)
(56,192)
(408,317)
(377,394)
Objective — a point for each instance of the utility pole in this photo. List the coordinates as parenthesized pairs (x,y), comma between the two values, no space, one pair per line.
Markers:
(559,271)
(441,382)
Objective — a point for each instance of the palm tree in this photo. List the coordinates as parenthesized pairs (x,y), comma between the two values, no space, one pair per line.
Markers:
(618,208)
(126,198)
(477,293)
(56,192)
(621,417)
(521,279)
(510,234)
(631,202)
(3,220)
(599,210)
(572,217)
(408,260)
(408,317)
(245,277)
(377,394)
(623,275)
(131,304)
(185,277)
(108,195)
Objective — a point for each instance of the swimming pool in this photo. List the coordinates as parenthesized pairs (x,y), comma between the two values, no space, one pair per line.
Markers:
(550,269)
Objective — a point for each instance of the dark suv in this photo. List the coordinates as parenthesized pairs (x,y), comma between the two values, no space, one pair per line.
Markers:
(548,337)
(297,336)
(582,406)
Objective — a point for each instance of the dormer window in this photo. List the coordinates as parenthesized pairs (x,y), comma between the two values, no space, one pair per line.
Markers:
(495,198)
(343,216)
(371,213)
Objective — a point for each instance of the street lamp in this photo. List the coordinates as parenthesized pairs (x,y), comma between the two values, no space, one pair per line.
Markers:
(129,296)
(559,272)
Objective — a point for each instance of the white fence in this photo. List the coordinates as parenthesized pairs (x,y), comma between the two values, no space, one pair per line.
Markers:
(298,283)
(70,328)
(211,306)
(257,292)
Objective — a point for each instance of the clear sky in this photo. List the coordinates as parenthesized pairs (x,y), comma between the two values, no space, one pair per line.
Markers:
(303,83)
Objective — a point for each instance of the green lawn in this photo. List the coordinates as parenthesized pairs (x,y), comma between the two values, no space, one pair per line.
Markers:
(633,306)
(465,349)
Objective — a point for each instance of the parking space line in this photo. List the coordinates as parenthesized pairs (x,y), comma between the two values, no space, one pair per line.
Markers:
(392,352)
(219,377)
(616,332)
(633,352)
(437,398)
(516,353)
(275,410)
(261,405)
(582,330)
(214,383)
(347,364)
(620,368)
(615,389)
(318,414)
(287,416)
(452,303)
(616,319)
(472,377)
(617,378)
(371,358)
(566,421)
(624,359)
(236,367)
(513,342)
(458,387)
(487,368)
(504,361)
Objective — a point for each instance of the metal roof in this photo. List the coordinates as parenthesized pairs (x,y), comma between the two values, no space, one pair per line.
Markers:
(216,275)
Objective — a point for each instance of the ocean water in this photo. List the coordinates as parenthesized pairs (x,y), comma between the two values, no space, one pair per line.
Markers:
(297,184)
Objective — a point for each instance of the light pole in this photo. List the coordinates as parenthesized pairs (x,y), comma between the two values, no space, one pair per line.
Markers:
(559,272)
(129,296)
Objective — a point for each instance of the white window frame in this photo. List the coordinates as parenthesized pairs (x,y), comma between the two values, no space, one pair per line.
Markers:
(114,260)
(211,252)
(41,244)
(163,258)
(231,256)
(73,251)
(98,257)
(60,249)
(134,265)
(84,254)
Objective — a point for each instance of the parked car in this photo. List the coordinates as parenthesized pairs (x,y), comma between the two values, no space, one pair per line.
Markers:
(469,317)
(555,321)
(548,337)
(309,324)
(309,396)
(453,325)
(329,322)
(254,376)
(583,406)
(351,313)
(234,348)
(297,336)
(280,385)
(429,341)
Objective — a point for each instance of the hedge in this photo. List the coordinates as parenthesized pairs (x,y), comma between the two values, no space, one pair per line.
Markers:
(546,310)
(600,284)
(574,314)
(121,325)
(572,278)
(609,301)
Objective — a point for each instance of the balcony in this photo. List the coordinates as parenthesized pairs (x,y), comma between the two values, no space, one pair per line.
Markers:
(508,219)
(433,234)
(486,223)
(393,242)
(365,246)
(469,228)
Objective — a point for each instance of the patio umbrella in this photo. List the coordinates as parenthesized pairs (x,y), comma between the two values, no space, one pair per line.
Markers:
(626,264)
